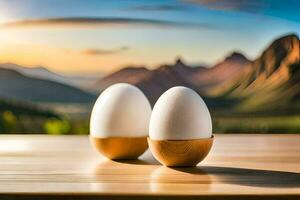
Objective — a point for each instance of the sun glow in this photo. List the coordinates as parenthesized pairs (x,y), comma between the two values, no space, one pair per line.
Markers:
(4,16)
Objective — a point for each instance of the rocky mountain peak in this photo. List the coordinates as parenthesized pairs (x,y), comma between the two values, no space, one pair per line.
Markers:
(282,53)
(179,61)
(236,56)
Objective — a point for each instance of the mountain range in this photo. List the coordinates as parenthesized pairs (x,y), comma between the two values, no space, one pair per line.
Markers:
(43,73)
(271,81)
(36,72)
(14,85)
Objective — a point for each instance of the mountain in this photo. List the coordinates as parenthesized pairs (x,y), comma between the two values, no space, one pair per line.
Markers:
(272,80)
(130,75)
(165,77)
(227,69)
(14,85)
(152,82)
(44,73)
(36,72)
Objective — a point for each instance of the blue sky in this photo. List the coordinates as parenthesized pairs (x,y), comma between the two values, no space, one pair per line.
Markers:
(103,36)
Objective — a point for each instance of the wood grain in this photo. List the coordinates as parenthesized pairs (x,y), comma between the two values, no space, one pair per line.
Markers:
(180,153)
(120,147)
(66,167)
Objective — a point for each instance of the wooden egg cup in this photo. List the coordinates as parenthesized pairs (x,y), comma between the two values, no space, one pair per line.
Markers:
(120,148)
(180,153)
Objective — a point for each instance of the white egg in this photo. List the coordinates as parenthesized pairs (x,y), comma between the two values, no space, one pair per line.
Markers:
(180,114)
(122,110)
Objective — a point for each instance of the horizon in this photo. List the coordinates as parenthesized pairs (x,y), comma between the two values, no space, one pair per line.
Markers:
(103,37)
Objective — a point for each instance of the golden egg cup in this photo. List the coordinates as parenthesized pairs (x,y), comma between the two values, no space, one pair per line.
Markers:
(180,153)
(120,148)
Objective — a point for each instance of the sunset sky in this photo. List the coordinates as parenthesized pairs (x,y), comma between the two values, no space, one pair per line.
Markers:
(92,36)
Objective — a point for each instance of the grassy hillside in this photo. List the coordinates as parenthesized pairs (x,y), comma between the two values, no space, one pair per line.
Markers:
(257,124)
(16,117)
(272,82)
(27,118)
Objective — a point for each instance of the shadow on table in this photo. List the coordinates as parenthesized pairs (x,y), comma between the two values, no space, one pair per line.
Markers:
(246,176)
(146,159)
(133,162)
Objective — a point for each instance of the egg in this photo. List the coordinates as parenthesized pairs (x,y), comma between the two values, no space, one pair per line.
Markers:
(180,129)
(119,122)
(180,114)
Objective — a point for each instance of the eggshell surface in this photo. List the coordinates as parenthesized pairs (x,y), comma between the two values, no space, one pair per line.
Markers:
(122,110)
(180,114)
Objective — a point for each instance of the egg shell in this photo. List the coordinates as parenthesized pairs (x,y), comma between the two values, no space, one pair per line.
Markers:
(180,114)
(122,110)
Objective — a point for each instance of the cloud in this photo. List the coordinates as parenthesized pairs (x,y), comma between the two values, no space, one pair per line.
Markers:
(231,5)
(92,51)
(99,22)
(159,8)
(287,10)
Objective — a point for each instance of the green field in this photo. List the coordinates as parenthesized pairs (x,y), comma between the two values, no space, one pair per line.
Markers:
(265,124)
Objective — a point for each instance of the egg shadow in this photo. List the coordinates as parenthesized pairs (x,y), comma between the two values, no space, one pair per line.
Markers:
(132,162)
(145,159)
(248,177)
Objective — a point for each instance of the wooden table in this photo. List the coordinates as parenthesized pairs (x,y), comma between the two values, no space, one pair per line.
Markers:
(66,167)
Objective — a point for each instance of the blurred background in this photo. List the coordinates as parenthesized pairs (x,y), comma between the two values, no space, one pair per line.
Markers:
(242,57)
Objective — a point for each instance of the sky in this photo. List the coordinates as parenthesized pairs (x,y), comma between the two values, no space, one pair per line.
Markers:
(92,36)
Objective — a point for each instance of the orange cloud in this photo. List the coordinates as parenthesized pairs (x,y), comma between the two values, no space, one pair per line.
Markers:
(93,51)
(66,60)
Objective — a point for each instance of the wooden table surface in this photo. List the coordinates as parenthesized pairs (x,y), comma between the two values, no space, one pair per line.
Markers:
(53,167)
